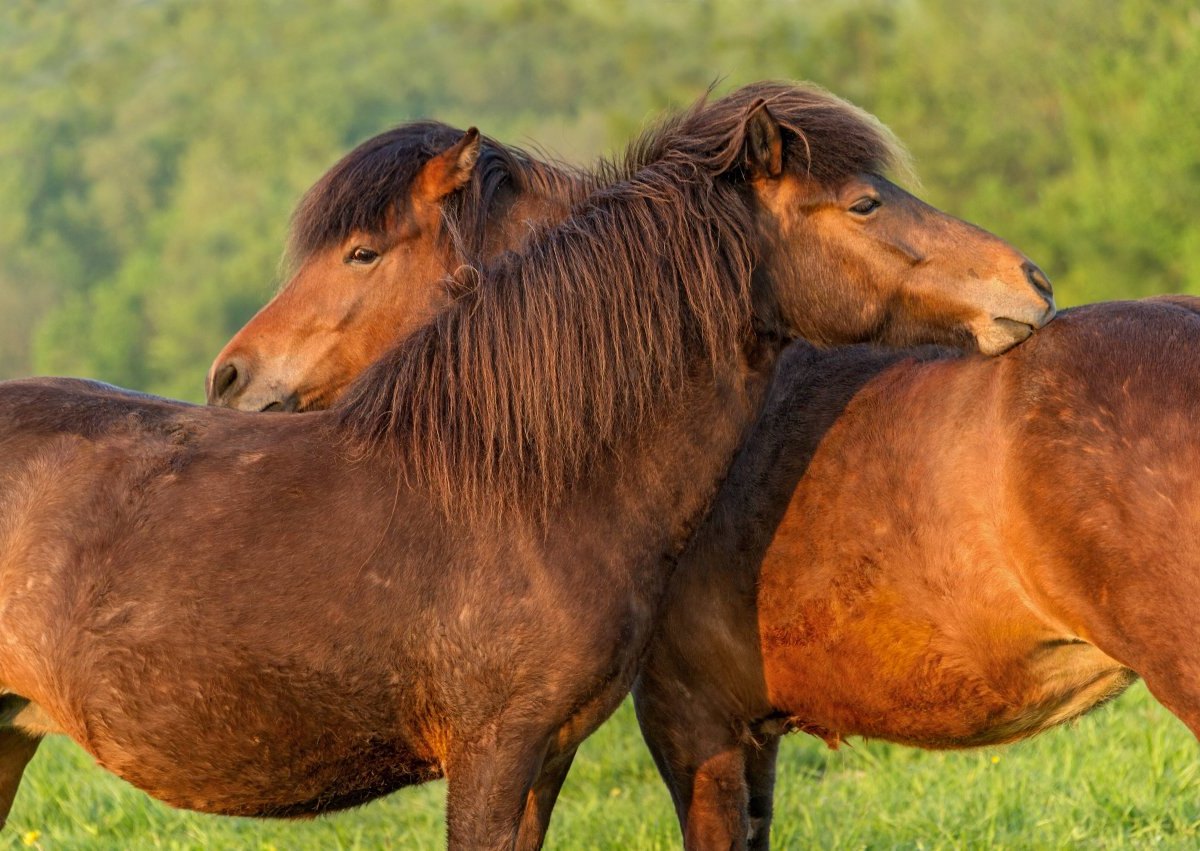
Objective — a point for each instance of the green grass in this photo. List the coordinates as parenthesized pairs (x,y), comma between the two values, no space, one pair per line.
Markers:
(1126,776)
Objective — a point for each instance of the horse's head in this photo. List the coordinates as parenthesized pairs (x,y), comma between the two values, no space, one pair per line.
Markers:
(373,244)
(857,258)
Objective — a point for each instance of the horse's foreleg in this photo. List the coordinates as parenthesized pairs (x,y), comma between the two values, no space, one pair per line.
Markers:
(16,749)
(760,783)
(703,765)
(540,802)
(1172,673)
(490,781)
(718,812)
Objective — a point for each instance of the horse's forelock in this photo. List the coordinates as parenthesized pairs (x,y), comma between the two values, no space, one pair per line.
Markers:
(368,189)
(364,190)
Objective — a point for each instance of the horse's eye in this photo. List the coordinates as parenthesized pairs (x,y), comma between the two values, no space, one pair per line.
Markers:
(362,255)
(864,206)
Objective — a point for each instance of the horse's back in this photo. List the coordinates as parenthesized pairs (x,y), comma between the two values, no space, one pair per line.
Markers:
(1106,411)
(69,448)
(48,406)
(1146,347)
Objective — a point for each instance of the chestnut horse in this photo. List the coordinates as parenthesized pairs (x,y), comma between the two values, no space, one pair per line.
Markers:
(456,571)
(936,550)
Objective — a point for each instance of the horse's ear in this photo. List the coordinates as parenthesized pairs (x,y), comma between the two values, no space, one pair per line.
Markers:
(448,171)
(763,143)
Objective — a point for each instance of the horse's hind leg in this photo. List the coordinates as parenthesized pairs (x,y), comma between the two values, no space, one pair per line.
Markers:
(540,803)
(16,749)
(1153,636)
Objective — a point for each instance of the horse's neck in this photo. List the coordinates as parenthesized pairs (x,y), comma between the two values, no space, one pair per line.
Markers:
(715,585)
(516,216)
(808,393)
(663,479)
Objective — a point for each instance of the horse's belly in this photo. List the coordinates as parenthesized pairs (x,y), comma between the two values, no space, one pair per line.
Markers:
(294,773)
(241,736)
(357,777)
(908,681)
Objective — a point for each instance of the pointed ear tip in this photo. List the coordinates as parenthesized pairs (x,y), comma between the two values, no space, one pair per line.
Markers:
(469,145)
(758,109)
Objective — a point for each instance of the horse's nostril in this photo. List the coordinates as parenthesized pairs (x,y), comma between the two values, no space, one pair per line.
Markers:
(289,404)
(1037,278)
(224,380)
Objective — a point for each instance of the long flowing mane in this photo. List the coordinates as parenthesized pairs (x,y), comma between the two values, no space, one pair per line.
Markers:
(369,188)
(552,358)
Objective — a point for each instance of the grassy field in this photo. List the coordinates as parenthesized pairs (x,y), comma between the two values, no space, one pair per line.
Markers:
(1125,777)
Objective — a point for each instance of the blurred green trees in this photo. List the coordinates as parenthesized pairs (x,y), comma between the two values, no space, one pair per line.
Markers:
(150,153)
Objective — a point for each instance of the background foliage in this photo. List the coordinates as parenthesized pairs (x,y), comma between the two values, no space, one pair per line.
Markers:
(151,151)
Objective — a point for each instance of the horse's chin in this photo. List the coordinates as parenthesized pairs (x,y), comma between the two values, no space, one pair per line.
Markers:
(1001,334)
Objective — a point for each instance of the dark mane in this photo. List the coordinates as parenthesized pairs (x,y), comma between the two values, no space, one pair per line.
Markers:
(551,359)
(370,187)
(466,214)
(831,139)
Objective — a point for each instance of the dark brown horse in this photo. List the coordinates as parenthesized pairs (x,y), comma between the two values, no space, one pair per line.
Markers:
(455,572)
(937,550)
